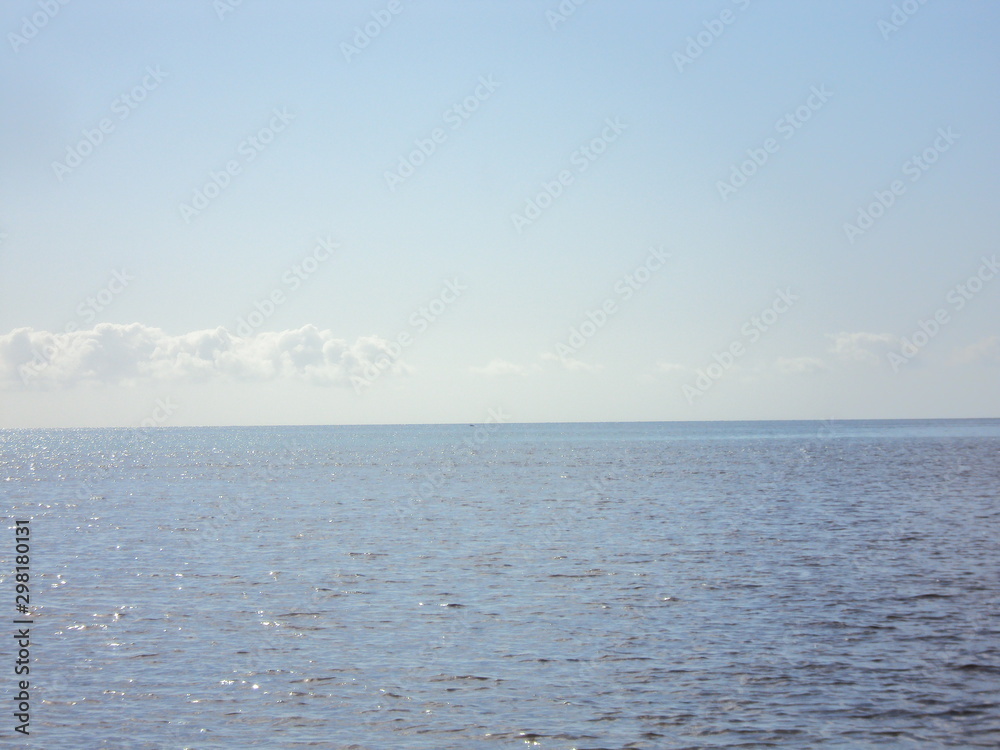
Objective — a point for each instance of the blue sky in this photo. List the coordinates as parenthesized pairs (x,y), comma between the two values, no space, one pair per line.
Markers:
(623,124)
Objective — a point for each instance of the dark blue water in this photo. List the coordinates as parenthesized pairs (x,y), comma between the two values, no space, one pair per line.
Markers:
(657,585)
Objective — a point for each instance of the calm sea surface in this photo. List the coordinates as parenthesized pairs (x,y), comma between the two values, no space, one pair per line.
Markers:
(640,585)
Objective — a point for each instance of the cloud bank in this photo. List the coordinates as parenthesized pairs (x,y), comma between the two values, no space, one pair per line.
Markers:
(500,367)
(129,354)
(984,351)
(863,346)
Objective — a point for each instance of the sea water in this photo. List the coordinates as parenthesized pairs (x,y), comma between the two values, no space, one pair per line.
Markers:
(636,585)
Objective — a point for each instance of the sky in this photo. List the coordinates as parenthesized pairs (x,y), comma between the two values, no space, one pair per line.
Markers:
(216,212)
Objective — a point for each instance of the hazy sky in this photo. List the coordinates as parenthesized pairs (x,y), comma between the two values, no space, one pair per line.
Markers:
(417,211)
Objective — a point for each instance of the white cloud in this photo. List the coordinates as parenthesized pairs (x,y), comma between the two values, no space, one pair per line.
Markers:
(985,351)
(862,346)
(571,364)
(799,365)
(128,354)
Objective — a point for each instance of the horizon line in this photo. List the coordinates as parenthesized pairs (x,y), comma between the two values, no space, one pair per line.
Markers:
(478,424)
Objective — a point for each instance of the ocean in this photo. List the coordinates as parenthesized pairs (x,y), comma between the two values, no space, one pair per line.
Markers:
(555,586)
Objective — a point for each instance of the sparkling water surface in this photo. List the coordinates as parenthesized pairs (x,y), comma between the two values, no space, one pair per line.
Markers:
(634,585)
